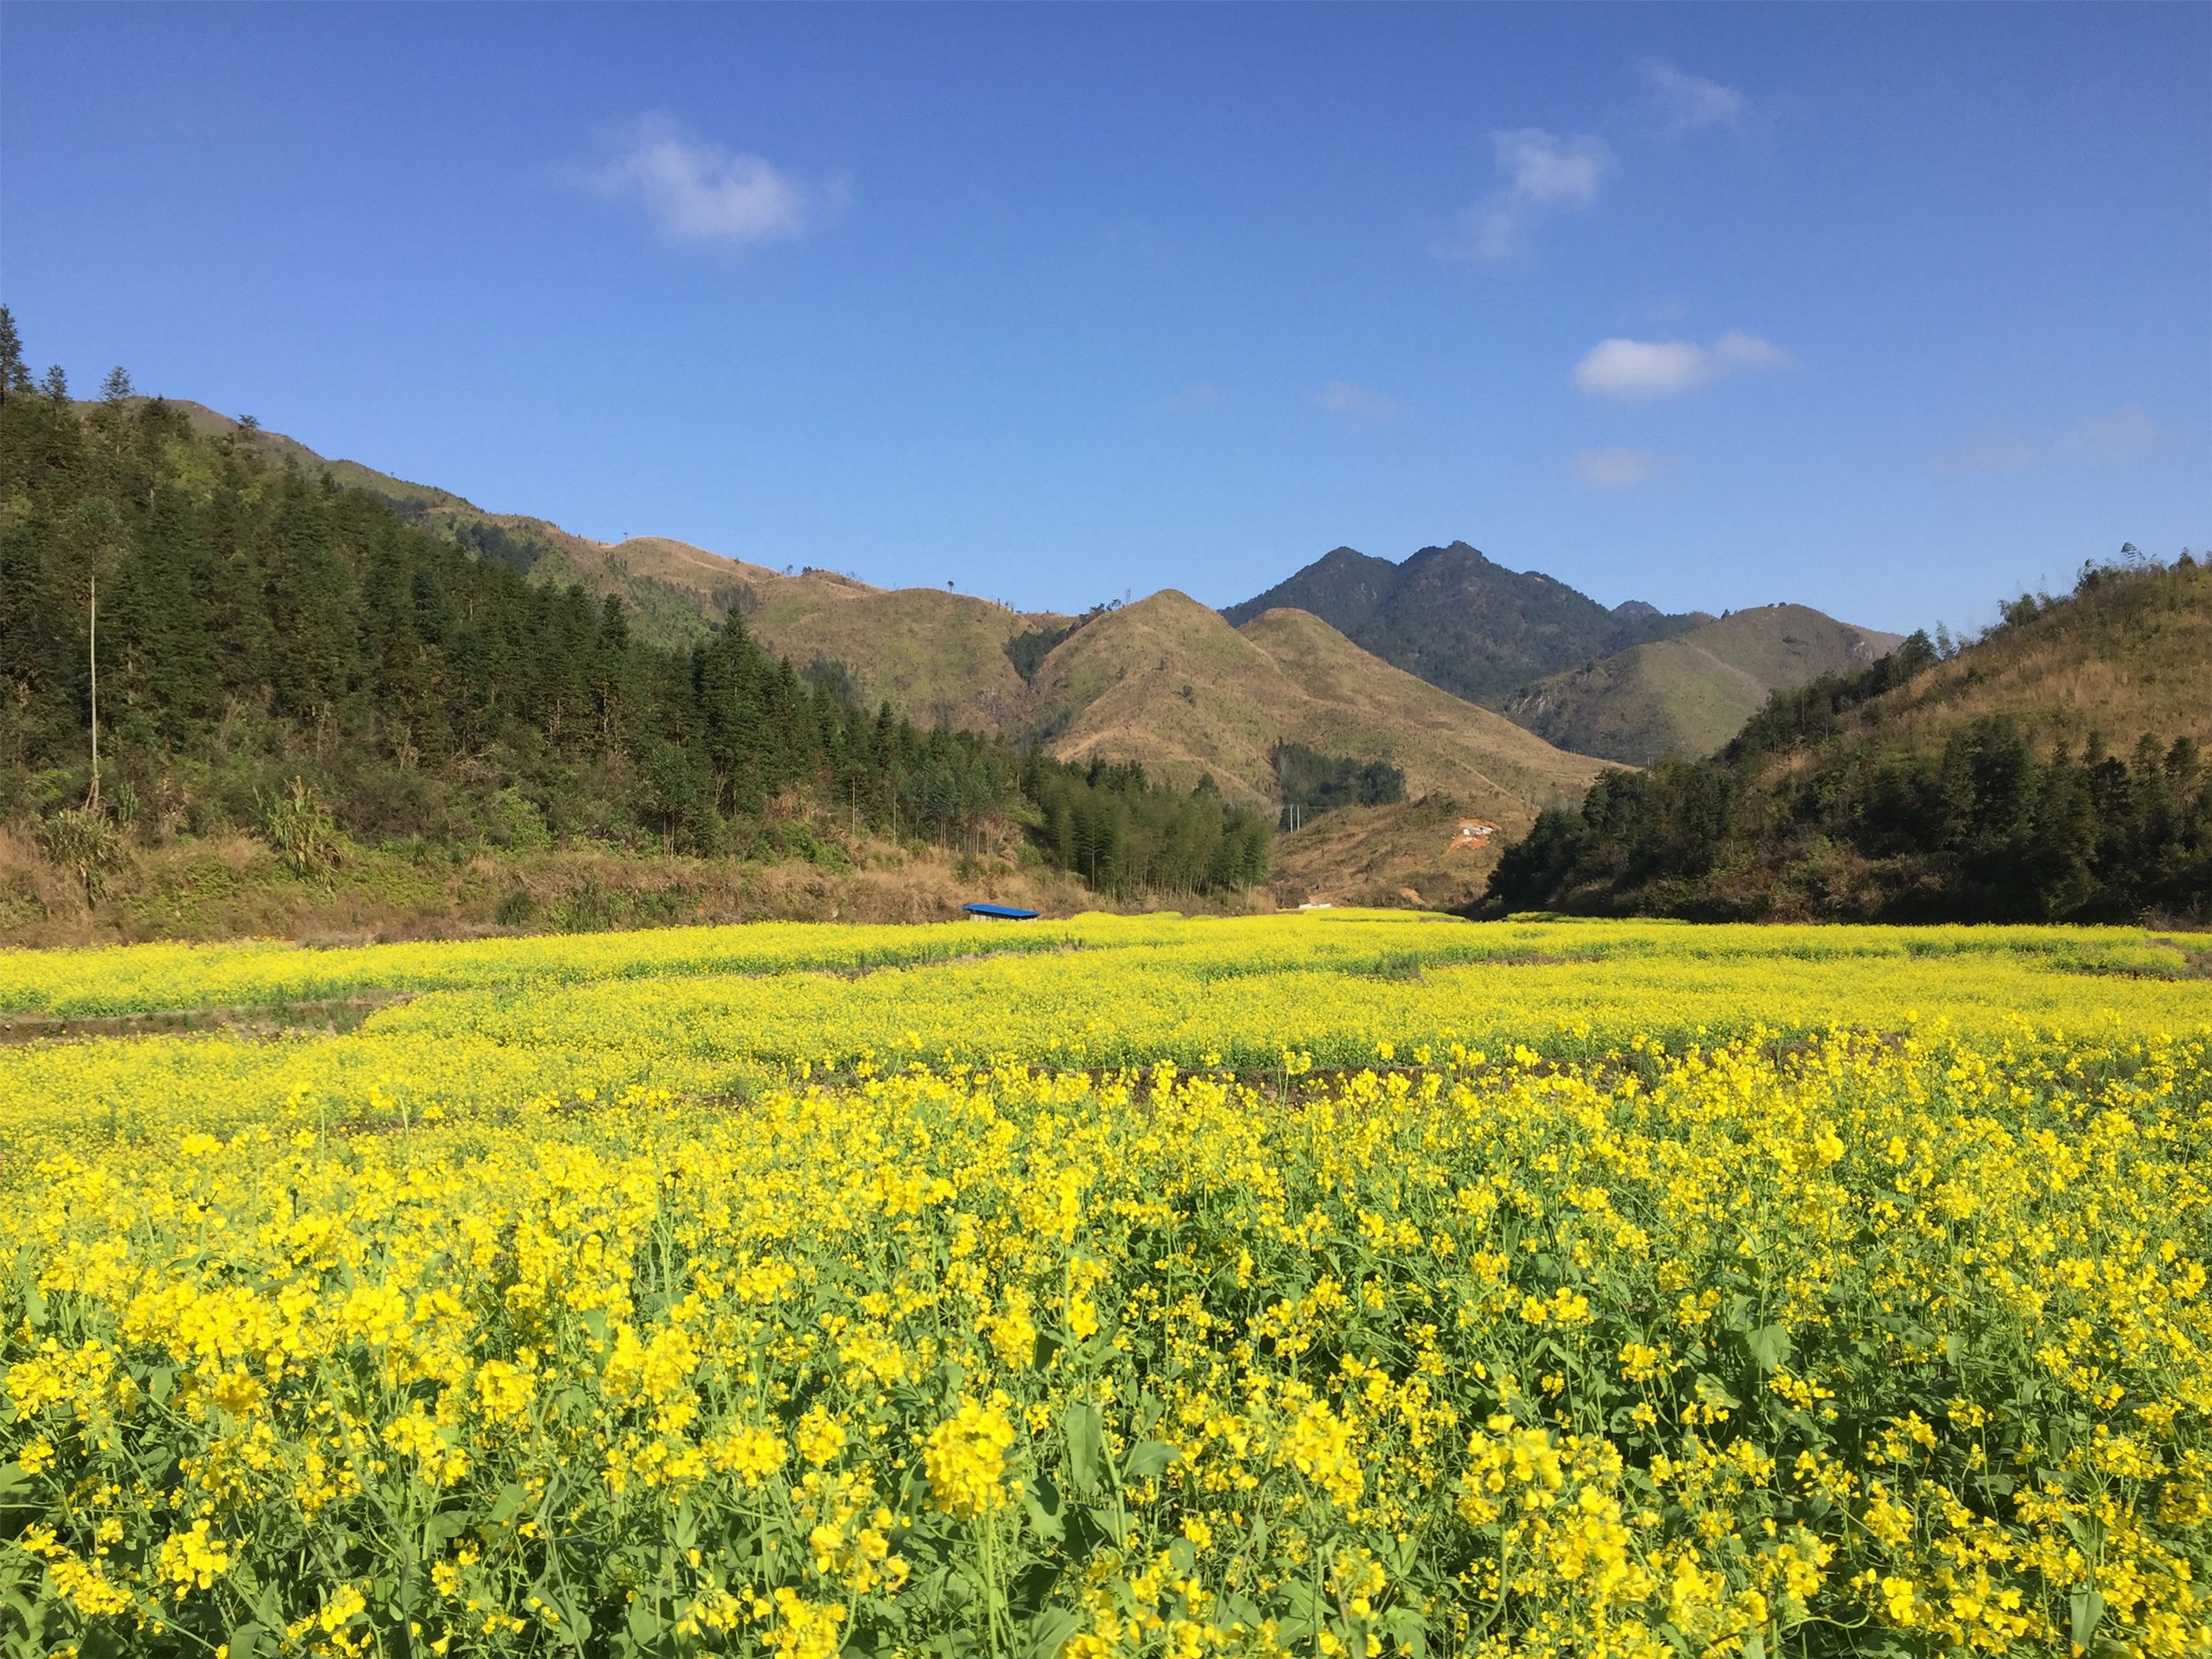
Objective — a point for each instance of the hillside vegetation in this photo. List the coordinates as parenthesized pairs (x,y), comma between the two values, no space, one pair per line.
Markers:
(200,643)
(1167,681)
(2052,770)
(1388,857)
(671,601)
(943,658)
(936,657)
(1461,622)
(1689,695)
(404,740)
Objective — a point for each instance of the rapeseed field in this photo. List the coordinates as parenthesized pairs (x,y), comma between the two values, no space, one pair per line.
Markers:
(1332,1284)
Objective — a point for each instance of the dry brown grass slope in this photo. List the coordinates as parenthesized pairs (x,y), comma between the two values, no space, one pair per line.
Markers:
(933,654)
(1441,743)
(2130,654)
(1374,855)
(1167,682)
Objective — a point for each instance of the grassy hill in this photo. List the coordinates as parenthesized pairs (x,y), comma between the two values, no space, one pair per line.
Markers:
(933,654)
(1460,621)
(1689,695)
(2052,769)
(2129,652)
(1167,681)
(1387,856)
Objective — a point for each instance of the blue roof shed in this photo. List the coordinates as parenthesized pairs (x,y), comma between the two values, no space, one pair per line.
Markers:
(999,913)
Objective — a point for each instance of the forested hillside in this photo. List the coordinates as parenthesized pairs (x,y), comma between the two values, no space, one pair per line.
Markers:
(271,651)
(2052,769)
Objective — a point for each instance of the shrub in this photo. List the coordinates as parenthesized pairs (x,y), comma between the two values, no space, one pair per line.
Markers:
(299,825)
(83,843)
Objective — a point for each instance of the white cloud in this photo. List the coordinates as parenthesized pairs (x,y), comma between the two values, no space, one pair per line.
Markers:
(1618,469)
(694,190)
(1685,103)
(1542,172)
(2110,440)
(1635,371)
(1342,398)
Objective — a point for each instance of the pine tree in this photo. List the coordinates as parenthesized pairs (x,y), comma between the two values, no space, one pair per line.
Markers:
(15,375)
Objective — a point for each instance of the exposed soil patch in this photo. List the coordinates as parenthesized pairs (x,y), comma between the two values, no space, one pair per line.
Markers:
(2194,964)
(269,1020)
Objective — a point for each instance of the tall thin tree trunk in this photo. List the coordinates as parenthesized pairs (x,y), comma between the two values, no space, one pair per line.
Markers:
(92,656)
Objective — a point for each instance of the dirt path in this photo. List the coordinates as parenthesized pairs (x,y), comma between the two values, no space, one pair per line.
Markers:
(266,1019)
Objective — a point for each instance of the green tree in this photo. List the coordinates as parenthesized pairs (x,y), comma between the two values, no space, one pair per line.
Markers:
(15,375)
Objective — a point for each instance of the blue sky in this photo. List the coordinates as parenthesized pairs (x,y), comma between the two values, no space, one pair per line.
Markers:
(1891,310)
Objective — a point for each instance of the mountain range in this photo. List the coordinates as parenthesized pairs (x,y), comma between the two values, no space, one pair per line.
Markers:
(1165,681)
(1628,683)
(1462,622)
(1908,758)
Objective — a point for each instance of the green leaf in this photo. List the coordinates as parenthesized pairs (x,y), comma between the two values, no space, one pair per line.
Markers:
(575,1625)
(1051,1630)
(1148,1459)
(1769,1346)
(1306,1614)
(1086,1446)
(511,1500)
(448,1524)
(1407,1628)
(245,1640)
(2088,1607)
(1043,1503)
(1103,1523)
(1025,1595)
